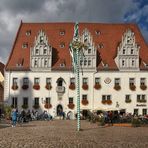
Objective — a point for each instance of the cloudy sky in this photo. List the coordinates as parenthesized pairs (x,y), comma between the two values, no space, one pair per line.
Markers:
(104,11)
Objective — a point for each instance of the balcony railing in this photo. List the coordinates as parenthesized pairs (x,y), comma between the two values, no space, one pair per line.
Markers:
(60,89)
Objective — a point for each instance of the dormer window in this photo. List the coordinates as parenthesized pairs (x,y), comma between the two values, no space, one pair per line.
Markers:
(97,32)
(25,45)
(89,62)
(62,45)
(35,63)
(45,51)
(133,62)
(36,51)
(62,65)
(45,63)
(41,39)
(62,32)
(123,51)
(123,63)
(89,50)
(132,51)
(28,32)
(100,45)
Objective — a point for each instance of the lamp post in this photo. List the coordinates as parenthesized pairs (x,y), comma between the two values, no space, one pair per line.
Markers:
(76,50)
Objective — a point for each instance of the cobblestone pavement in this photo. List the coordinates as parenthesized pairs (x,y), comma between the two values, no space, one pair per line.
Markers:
(63,134)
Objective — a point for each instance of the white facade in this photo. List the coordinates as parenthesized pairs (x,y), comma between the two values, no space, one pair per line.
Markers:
(128,74)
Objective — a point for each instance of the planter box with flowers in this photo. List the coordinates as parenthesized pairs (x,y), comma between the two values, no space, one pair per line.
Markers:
(109,102)
(97,86)
(48,86)
(143,87)
(128,100)
(36,86)
(24,106)
(103,101)
(141,100)
(72,86)
(25,87)
(47,105)
(117,87)
(84,102)
(132,87)
(14,87)
(36,106)
(85,86)
(71,105)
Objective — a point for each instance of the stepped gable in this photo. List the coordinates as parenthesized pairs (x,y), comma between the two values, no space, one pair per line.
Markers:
(109,36)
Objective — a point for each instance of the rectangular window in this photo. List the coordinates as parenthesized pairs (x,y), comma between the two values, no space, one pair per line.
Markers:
(84,97)
(15,80)
(144,112)
(136,111)
(45,62)
(97,80)
(142,81)
(14,102)
(72,80)
(89,62)
(25,101)
(25,81)
(36,81)
(106,97)
(103,97)
(127,97)
(85,80)
(131,81)
(117,81)
(48,100)
(70,100)
(48,81)
(36,101)
(81,62)
(89,50)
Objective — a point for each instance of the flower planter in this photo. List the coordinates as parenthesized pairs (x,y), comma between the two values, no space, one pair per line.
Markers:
(36,106)
(117,87)
(72,86)
(47,105)
(48,87)
(14,87)
(128,101)
(97,86)
(25,87)
(71,105)
(84,102)
(85,86)
(143,87)
(109,102)
(132,87)
(24,106)
(36,87)
(103,101)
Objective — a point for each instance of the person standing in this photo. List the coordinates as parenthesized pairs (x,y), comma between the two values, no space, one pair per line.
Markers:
(14,117)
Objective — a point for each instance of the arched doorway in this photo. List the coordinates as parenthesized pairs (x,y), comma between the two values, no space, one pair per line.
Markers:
(59,110)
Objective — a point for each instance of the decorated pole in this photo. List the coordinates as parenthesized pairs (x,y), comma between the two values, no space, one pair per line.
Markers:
(76,51)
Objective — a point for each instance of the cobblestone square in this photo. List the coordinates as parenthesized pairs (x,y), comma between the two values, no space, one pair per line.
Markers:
(63,134)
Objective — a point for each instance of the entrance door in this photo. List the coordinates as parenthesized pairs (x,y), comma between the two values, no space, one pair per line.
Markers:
(59,110)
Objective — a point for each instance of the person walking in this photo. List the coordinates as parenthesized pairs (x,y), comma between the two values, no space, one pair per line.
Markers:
(14,117)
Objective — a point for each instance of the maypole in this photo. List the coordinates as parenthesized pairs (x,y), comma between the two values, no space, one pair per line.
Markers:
(76,50)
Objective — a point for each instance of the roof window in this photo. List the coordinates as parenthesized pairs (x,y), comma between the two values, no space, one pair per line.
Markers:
(97,32)
(25,45)
(62,45)
(100,45)
(28,32)
(62,32)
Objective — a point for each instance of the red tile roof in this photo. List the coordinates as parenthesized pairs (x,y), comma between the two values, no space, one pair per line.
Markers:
(110,37)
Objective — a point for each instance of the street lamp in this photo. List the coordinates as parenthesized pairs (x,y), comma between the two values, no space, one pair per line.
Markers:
(76,50)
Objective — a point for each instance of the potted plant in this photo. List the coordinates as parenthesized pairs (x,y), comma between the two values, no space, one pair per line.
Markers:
(72,86)
(85,86)
(71,105)
(36,106)
(143,87)
(109,102)
(47,105)
(36,86)
(24,106)
(84,101)
(117,87)
(97,86)
(48,86)
(132,87)
(104,101)
(128,100)
(14,87)
(25,86)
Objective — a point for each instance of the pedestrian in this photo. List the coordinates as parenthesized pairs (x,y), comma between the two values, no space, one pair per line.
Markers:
(14,117)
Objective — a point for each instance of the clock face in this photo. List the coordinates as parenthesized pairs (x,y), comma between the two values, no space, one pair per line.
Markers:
(107,80)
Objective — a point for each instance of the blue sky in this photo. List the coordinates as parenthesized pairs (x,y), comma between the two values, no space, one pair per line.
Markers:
(101,11)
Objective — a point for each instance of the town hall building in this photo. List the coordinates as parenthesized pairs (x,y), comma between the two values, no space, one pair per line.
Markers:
(113,71)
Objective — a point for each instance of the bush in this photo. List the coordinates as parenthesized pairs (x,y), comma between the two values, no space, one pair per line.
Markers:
(7,111)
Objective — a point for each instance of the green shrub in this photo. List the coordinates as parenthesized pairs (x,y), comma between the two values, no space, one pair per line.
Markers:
(7,111)
(136,122)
